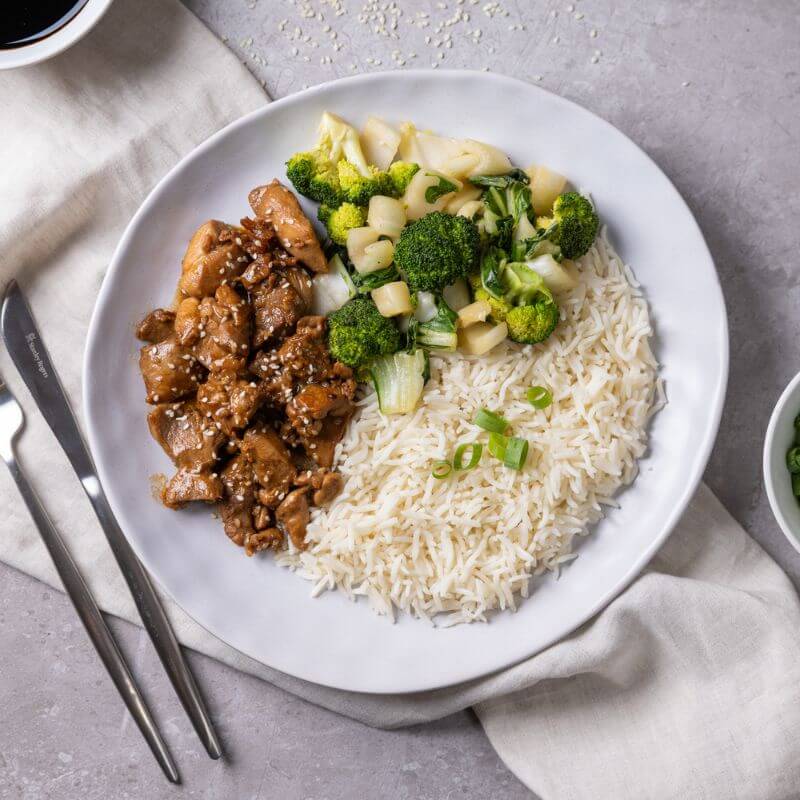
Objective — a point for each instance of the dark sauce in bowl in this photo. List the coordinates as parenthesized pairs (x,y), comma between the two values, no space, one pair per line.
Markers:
(26,22)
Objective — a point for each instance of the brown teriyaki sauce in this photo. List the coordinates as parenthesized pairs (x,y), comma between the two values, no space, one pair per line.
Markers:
(23,23)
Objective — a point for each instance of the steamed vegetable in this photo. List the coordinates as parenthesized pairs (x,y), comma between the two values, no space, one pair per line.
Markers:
(481,337)
(436,250)
(338,221)
(399,380)
(357,333)
(438,333)
(386,215)
(530,324)
(359,188)
(314,173)
(401,173)
(428,191)
(573,226)
(380,141)
(546,186)
(393,299)
(332,289)
(367,250)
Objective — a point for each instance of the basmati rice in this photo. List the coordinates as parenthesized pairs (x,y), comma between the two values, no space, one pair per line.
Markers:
(469,544)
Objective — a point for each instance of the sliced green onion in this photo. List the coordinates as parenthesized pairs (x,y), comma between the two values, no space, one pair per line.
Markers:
(497,445)
(793,460)
(490,421)
(796,485)
(516,452)
(476,450)
(539,396)
(441,469)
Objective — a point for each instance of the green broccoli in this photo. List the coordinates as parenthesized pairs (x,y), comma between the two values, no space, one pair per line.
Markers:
(532,323)
(401,173)
(573,226)
(314,176)
(436,250)
(338,221)
(357,333)
(314,173)
(357,187)
(499,306)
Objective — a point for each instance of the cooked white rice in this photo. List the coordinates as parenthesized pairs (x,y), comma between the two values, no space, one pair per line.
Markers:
(470,543)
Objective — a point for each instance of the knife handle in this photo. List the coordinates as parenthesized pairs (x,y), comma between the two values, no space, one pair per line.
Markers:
(96,627)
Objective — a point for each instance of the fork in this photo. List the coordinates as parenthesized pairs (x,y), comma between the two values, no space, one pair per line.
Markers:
(11,423)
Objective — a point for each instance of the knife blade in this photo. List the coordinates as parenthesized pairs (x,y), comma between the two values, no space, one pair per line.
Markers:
(29,354)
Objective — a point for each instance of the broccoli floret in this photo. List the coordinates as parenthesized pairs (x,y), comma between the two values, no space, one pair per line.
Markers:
(401,173)
(500,307)
(314,173)
(357,333)
(532,323)
(573,226)
(358,188)
(436,250)
(314,176)
(338,221)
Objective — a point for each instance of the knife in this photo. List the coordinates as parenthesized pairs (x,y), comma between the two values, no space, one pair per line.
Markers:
(27,350)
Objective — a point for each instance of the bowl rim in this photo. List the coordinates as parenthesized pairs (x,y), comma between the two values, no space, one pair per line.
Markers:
(792,390)
(43,49)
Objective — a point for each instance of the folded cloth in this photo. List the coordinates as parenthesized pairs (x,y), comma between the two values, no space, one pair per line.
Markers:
(686,686)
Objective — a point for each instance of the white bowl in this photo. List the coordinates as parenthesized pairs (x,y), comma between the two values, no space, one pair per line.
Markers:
(779,438)
(58,41)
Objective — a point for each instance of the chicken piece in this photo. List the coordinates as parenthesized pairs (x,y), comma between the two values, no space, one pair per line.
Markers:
(292,516)
(299,281)
(322,447)
(278,305)
(314,402)
(267,539)
(185,435)
(213,258)
(170,371)
(225,325)
(327,487)
(276,204)
(229,401)
(257,272)
(187,321)
(237,508)
(186,486)
(272,465)
(156,326)
(324,483)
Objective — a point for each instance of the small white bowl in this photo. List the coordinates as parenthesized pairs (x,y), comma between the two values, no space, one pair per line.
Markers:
(58,41)
(780,437)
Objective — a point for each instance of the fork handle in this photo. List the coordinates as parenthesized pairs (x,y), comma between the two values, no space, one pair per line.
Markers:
(95,625)
(154,619)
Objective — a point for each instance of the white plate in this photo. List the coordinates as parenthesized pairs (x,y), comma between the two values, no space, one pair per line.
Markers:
(266,612)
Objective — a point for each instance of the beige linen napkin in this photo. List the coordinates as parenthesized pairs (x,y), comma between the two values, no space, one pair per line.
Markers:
(686,686)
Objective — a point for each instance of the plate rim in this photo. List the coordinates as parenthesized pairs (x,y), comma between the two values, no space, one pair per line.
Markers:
(704,448)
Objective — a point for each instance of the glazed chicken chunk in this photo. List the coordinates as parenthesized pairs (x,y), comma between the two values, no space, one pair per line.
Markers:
(247,402)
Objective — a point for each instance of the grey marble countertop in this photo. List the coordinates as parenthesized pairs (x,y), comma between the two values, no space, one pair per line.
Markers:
(711,90)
